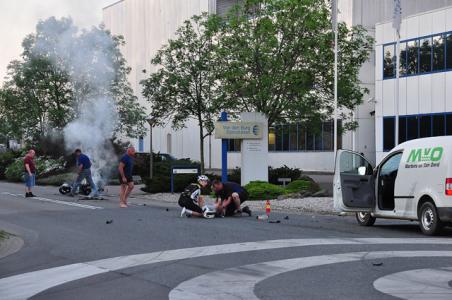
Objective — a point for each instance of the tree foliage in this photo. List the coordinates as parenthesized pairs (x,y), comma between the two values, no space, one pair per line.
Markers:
(276,57)
(43,91)
(185,87)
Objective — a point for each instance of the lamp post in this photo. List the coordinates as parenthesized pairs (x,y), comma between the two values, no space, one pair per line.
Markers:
(151,160)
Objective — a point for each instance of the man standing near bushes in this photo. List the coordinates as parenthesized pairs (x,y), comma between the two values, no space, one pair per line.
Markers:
(30,173)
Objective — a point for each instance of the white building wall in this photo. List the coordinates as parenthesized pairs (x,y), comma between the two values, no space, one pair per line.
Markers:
(418,94)
(147,24)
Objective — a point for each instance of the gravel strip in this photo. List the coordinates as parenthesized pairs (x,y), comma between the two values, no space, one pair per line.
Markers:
(317,205)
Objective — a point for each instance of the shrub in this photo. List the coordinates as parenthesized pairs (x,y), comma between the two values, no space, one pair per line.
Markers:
(44,167)
(298,186)
(283,172)
(235,176)
(7,158)
(162,184)
(261,190)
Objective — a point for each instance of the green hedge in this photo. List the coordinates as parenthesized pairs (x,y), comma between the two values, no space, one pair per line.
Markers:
(298,186)
(261,190)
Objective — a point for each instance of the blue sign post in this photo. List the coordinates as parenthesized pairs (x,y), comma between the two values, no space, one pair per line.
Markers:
(224,152)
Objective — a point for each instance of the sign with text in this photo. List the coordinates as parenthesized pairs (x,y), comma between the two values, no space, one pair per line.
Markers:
(238,130)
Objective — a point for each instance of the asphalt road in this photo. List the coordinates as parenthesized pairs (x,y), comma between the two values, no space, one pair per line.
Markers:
(70,252)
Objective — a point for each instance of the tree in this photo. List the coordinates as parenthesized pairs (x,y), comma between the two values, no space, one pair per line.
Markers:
(276,57)
(185,87)
(61,68)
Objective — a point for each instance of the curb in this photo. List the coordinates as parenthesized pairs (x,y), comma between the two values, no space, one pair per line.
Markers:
(10,245)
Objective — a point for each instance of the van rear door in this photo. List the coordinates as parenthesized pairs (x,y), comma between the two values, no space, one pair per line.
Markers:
(354,183)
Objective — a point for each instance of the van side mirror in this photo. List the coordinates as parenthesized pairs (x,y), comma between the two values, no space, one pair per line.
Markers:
(362,170)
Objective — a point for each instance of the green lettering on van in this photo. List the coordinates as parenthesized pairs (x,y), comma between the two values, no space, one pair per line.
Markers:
(437,153)
(415,155)
(425,155)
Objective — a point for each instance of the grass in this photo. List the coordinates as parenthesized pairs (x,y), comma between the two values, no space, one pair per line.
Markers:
(3,235)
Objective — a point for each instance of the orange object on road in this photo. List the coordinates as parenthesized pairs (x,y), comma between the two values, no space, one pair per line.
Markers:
(267,207)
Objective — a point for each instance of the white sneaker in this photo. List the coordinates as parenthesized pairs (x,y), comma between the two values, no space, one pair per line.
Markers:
(182,213)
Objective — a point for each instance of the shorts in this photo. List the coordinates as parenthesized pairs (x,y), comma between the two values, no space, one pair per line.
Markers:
(128,179)
(29,180)
(188,203)
(230,209)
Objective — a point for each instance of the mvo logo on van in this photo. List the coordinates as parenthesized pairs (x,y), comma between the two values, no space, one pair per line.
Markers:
(424,157)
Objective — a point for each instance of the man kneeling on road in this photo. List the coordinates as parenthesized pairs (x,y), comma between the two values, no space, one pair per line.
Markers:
(84,172)
(192,202)
(230,196)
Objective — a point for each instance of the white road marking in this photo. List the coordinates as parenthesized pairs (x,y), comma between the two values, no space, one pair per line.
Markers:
(55,201)
(217,285)
(26,285)
(432,284)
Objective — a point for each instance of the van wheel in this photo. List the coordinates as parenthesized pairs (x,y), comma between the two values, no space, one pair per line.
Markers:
(429,220)
(365,219)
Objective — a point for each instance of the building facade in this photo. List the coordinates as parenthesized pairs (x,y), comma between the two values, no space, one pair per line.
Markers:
(147,24)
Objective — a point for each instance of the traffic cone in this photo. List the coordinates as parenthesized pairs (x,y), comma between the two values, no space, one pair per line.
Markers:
(267,208)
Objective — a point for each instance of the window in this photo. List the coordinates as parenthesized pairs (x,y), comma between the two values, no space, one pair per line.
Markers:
(448,124)
(301,137)
(425,55)
(412,128)
(449,51)
(309,140)
(388,61)
(388,133)
(425,126)
(403,54)
(234,146)
(285,137)
(141,144)
(271,139)
(278,139)
(328,133)
(402,129)
(438,53)
(349,163)
(412,57)
(391,165)
(293,137)
(438,125)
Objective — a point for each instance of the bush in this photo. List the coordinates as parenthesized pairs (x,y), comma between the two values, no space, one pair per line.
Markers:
(44,167)
(261,190)
(283,172)
(162,184)
(298,186)
(7,158)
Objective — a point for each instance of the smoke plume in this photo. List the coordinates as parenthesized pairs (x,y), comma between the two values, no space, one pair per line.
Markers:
(86,57)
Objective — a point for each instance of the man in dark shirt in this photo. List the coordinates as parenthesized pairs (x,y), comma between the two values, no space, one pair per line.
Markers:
(125,176)
(230,196)
(29,173)
(84,172)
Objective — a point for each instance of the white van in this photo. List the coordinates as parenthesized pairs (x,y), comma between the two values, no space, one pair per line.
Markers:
(413,182)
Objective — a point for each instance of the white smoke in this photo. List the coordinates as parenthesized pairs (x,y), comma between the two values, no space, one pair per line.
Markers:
(85,57)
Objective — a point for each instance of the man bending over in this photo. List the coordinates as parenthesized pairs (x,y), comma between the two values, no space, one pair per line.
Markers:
(230,196)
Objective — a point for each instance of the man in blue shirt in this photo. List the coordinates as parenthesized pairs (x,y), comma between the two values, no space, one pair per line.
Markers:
(84,172)
(125,176)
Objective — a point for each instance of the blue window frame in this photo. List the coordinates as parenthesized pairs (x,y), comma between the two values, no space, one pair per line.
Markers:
(416,126)
(419,56)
